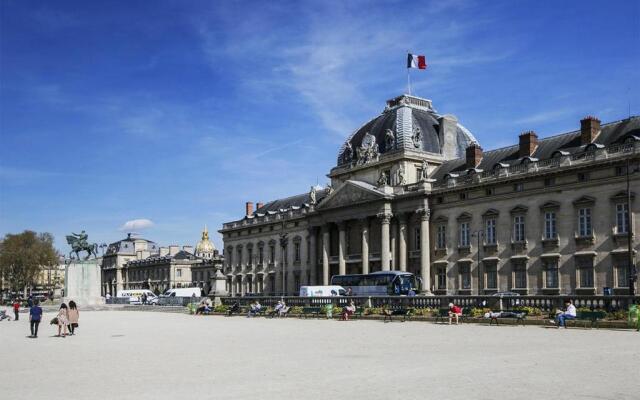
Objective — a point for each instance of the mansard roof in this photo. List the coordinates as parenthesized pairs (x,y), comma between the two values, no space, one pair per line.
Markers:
(300,200)
(565,143)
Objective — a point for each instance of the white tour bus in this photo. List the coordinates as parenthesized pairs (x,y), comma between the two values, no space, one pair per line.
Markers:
(322,291)
(135,296)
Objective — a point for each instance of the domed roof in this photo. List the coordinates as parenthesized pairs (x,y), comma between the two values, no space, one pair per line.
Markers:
(409,123)
(204,245)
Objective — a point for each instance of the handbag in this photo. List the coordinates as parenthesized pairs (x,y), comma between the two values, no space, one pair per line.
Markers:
(54,321)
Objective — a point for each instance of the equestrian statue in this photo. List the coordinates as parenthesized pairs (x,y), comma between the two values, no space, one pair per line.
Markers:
(78,243)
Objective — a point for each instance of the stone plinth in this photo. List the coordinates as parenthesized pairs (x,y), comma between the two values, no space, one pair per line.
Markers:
(82,283)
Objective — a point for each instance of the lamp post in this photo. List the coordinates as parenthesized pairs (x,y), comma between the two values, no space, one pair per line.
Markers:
(478,235)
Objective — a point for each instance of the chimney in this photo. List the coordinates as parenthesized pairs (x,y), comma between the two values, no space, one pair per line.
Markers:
(474,155)
(188,249)
(528,144)
(164,251)
(259,206)
(173,250)
(249,208)
(589,129)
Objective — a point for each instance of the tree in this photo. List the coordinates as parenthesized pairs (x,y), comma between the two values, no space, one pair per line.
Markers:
(23,255)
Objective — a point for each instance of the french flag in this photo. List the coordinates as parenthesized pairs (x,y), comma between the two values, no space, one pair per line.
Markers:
(416,61)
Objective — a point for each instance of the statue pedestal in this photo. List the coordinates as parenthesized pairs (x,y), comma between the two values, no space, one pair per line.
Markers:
(82,283)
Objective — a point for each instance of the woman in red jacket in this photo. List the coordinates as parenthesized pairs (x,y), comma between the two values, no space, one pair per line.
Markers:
(454,311)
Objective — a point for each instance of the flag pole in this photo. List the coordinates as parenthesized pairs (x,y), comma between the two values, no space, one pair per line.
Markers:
(408,75)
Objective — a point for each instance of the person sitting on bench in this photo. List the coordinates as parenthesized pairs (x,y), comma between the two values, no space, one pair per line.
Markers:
(454,311)
(235,308)
(568,313)
(348,310)
(255,309)
(204,306)
(282,312)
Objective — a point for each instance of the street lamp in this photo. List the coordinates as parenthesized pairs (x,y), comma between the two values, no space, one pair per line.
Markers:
(478,235)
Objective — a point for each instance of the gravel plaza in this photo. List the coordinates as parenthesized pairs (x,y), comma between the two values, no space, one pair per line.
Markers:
(145,355)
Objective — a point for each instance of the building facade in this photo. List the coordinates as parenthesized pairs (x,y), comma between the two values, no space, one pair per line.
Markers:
(413,190)
(142,264)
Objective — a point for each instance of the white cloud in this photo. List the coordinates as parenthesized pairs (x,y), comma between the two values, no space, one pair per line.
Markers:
(136,225)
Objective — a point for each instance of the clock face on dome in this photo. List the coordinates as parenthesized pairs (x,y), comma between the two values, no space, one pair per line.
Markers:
(368,140)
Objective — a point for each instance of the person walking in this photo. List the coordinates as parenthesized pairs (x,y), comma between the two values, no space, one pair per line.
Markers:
(63,320)
(35,316)
(73,314)
(16,308)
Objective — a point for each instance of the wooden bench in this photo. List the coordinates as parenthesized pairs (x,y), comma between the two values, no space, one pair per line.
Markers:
(313,311)
(519,316)
(443,315)
(389,313)
(588,317)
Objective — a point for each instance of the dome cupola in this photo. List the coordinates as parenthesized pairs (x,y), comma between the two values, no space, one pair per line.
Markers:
(205,248)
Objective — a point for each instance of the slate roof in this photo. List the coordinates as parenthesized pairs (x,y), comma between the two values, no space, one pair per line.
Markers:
(611,133)
(300,200)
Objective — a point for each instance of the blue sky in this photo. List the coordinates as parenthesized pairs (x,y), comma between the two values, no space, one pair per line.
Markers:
(179,112)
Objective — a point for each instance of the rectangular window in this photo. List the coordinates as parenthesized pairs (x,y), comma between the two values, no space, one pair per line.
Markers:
(296,249)
(492,277)
(416,239)
(178,273)
(442,278)
(465,276)
(272,254)
(464,234)
(250,256)
(551,274)
(520,275)
(239,257)
(622,275)
(585,268)
(441,237)
(463,196)
(583,177)
(518,187)
(490,231)
(549,181)
(261,255)
(622,218)
(518,228)
(489,191)
(584,222)
(550,227)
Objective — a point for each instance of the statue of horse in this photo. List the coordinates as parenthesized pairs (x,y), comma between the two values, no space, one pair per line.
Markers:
(78,245)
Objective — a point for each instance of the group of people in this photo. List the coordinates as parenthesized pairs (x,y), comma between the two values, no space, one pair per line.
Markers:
(204,307)
(67,319)
(569,312)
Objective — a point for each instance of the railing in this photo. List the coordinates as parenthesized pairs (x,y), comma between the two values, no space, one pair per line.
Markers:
(544,303)
(177,301)
(117,300)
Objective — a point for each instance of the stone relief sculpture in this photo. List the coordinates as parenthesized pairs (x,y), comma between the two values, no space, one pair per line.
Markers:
(389,139)
(382,181)
(312,195)
(417,137)
(368,150)
(329,189)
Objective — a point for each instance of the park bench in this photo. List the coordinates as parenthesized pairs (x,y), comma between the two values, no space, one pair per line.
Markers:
(443,315)
(519,316)
(390,312)
(358,313)
(238,310)
(586,317)
(313,311)
(274,313)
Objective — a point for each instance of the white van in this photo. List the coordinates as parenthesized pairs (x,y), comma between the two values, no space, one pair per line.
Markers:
(183,292)
(322,291)
(135,296)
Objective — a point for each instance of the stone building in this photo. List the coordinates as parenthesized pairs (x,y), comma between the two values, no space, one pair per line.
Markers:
(144,265)
(412,190)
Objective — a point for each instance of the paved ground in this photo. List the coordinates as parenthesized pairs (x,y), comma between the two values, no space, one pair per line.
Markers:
(142,355)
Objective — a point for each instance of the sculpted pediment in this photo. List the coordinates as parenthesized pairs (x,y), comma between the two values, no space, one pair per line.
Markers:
(351,193)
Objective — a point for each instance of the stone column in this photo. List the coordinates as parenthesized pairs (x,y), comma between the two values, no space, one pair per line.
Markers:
(385,219)
(402,242)
(243,285)
(365,245)
(291,246)
(425,270)
(278,267)
(394,245)
(119,285)
(325,254)
(312,264)
(342,248)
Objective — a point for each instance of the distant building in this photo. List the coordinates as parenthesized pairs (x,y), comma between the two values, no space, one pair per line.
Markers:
(160,268)
(412,190)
